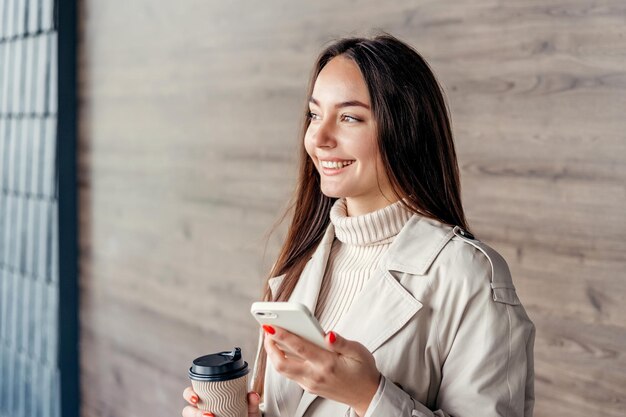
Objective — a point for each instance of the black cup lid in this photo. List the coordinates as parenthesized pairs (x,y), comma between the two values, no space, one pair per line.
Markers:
(220,366)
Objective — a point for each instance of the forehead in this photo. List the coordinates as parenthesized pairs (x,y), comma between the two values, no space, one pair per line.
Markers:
(340,80)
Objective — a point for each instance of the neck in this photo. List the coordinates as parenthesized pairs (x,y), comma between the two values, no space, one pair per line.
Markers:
(356,206)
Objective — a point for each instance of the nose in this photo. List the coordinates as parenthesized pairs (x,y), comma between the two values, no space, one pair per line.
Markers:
(323,135)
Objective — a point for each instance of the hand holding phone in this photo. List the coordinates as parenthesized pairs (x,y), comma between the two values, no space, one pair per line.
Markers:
(291,316)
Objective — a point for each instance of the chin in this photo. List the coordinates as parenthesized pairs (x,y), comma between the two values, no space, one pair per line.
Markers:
(333,193)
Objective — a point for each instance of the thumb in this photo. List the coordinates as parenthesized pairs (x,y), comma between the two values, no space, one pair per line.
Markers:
(253,404)
(346,347)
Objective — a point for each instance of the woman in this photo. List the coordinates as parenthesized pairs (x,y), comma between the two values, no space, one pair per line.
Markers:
(421,318)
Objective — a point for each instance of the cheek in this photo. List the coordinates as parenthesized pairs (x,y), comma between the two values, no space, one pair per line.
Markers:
(367,153)
(372,164)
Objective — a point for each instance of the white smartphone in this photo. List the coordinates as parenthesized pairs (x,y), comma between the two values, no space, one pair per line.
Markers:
(291,316)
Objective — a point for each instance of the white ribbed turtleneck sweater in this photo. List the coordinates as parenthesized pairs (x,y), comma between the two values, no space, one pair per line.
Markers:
(359,245)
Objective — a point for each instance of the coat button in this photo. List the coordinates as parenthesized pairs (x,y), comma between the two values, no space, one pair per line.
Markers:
(465,233)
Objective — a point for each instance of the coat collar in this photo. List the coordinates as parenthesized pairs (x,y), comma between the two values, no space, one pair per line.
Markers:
(412,251)
(417,245)
(383,306)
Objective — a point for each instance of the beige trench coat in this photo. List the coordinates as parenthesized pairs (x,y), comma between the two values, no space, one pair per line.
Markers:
(444,323)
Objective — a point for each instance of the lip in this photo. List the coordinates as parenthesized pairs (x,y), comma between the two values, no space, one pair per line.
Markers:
(333,159)
(329,172)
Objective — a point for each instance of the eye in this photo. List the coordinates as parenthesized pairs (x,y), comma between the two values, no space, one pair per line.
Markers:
(349,118)
(312,116)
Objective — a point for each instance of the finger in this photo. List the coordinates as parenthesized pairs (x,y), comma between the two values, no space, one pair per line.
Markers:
(190,411)
(190,396)
(254,399)
(299,346)
(290,367)
(349,348)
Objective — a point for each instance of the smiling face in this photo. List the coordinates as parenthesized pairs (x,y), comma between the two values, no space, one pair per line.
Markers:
(341,139)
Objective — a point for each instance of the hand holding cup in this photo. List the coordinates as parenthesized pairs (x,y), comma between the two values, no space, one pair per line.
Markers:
(219,383)
(193,411)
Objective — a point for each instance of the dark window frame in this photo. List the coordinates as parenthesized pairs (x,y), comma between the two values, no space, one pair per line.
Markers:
(68,324)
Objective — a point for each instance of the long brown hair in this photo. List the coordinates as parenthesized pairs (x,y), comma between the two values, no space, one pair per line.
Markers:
(414,140)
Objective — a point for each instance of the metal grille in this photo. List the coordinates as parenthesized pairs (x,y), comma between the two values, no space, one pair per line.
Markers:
(29,282)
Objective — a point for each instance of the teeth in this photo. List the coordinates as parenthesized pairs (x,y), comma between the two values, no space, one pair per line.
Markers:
(335,165)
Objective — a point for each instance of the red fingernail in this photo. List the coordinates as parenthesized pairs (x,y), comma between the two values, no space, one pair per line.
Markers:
(208,415)
(269,329)
(332,337)
(194,399)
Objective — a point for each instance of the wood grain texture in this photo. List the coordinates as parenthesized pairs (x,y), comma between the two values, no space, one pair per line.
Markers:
(188,123)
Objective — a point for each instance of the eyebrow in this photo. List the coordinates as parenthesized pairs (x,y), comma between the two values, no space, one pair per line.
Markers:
(350,103)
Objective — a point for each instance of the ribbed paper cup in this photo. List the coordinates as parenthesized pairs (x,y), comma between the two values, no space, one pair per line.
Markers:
(223,398)
(221,382)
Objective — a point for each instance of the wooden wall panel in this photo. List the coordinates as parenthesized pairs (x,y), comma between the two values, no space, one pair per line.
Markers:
(188,122)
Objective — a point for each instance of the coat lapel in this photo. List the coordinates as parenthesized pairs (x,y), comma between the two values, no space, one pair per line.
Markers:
(308,287)
(381,309)
(384,306)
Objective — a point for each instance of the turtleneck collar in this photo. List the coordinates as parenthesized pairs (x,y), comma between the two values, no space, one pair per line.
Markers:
(377,227)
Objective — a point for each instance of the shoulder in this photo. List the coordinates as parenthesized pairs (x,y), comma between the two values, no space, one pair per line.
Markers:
(451,257)
(471,263)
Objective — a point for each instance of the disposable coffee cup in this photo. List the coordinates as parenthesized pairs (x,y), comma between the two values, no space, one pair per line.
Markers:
(221,382)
